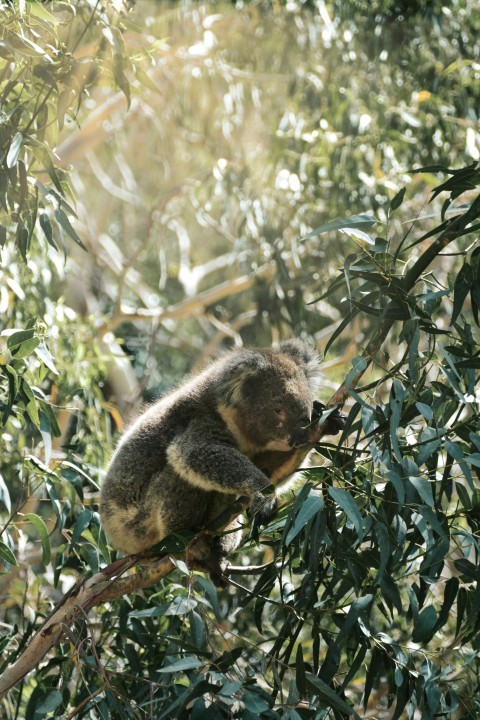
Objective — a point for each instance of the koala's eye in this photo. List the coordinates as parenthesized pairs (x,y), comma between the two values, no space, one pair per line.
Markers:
(280,413)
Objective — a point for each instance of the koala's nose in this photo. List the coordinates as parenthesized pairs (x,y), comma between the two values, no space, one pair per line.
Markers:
(300,433)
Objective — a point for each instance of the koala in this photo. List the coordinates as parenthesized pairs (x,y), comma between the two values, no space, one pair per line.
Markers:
(214,443)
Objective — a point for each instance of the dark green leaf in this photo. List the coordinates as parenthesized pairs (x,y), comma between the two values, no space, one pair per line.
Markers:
(310,507)
(6,554)
(462,287)
(327,694)
(300,671)
(350,508)
(424,628)
(397,200)
(82,522)
(46,226)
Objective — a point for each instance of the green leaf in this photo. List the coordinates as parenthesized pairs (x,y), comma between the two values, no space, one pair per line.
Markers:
(254,703)
(49,703)
(16,338)
(30,403)
(358,235)
(146,80)
(6,554)
(64,222)
(350,508)
(310,507)
(300,671)
(359,364)
(42,531)
(374,669)
(46,226)
(197,630)
(397,200)
(14,150)
(185,663)
(463,285)
(425,410)
(181,606)
(82,522)
(397,395)
(20,352)
(424,628)
(353,221)
(424,489)
(45,356)
(317,686)
(449,595)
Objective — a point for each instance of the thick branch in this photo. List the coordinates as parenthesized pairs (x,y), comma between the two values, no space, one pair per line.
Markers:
(86,593)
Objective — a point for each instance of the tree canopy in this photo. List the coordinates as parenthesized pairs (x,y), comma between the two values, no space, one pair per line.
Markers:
(180,178)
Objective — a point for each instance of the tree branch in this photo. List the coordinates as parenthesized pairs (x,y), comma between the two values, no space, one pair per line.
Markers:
(85,594)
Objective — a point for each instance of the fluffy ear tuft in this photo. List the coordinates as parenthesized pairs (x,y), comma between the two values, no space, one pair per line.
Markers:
(304,356)
(238,367)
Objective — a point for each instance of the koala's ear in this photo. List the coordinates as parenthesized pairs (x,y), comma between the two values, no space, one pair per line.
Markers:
(304,356)
(238,367)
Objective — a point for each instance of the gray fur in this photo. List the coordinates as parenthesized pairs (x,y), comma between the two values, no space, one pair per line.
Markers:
(188,457)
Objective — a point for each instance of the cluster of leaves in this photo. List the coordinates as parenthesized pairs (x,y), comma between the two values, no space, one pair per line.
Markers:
(376,561)
(44,77)
(373,590)
(374,573)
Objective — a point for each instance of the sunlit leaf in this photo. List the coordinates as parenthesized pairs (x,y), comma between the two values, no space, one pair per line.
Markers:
(14,150)
(64,222)
(354,221)
(45,356)
(186,663)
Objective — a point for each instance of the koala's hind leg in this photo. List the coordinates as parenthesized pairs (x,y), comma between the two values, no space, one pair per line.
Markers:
(208,552)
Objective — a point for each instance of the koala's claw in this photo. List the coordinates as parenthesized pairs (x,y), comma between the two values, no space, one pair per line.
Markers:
(263,509)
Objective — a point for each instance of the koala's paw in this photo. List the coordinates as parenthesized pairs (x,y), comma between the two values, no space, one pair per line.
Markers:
(205,554)
(263,509)
(335,421)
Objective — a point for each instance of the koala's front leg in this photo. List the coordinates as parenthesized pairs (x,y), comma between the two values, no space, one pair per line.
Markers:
(207,458)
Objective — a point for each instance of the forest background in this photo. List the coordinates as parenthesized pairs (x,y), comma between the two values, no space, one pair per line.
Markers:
(181,178)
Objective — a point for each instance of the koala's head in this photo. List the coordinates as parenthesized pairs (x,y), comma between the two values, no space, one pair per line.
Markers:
(269,393)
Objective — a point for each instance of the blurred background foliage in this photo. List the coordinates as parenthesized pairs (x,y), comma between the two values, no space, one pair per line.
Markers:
(164,168)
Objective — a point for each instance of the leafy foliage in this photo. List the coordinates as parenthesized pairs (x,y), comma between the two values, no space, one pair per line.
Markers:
(367,598)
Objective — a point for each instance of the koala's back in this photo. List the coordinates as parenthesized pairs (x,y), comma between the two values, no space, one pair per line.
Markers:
(142,498)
